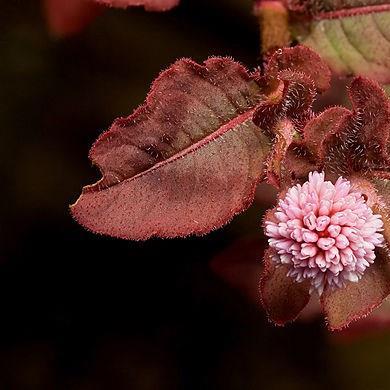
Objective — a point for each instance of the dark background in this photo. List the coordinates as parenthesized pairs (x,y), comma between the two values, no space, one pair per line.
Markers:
(81,312)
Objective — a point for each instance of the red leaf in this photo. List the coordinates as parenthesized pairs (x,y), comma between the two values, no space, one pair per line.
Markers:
(282,117)
(293,101)
(185,162)
(68,17)
(318,131)
(319,8)
(372,109)
(301,59)
(301,72)
(345,142)
(282,297)
(357,300)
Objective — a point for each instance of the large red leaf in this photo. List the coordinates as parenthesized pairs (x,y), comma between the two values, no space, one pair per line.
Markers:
(357,300)
(185,162)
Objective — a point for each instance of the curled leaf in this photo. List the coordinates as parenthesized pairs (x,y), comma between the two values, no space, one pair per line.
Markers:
(318,131)
(353,141)
(284,116)
(300,59)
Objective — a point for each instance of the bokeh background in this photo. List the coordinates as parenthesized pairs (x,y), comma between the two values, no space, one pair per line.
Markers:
(83,312)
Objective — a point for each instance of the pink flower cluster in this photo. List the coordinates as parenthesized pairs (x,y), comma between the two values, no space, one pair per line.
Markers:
(324,232)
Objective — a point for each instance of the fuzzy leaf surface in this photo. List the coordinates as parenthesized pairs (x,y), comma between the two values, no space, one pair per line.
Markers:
(347,141)
(303,74)
(185,162)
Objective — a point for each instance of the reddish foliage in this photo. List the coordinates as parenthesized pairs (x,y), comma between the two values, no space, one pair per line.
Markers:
(185,162)
(356,140)
(188,161)
(352,36)
(352,143)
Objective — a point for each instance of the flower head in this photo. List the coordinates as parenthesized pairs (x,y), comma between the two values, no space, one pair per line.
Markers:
(324,232)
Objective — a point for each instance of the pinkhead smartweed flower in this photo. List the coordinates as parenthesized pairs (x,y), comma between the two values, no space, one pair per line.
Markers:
(324,232)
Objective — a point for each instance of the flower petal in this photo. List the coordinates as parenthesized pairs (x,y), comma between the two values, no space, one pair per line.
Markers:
(282,297)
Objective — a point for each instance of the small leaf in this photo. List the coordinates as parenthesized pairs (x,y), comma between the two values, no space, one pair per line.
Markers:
(185,162)
(320,129)
(300,59)
(344,141)
(372,108)
(302,73)
(357,300)
(282,297)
